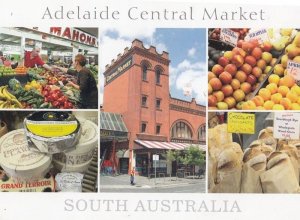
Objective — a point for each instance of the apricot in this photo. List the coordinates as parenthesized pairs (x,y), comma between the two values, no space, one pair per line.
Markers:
(276,98)
(265,94)
(272,87)
(283,90)
(268,105)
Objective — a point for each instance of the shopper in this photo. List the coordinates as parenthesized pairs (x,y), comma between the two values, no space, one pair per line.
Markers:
(132,173)
(14,64)
(86,82)
(33,59)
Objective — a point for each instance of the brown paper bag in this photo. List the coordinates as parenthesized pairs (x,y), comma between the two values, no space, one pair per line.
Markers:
(220,136)
(266,136)
(228,172)
(212,171)
(291,151)
(279,176)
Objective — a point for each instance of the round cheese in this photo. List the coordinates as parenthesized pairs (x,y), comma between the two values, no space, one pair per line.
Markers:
(17,159)
(84,150)
(80,168)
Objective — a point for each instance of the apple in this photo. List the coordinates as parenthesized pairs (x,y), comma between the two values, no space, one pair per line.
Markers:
(230,102)
(247,46)
(210,89)
(235,83)
(237,60)
(239,95)
(246,87)
(231,68)
(215,83)
(239,51)
(228,55)
(211,75)
(240,43)
(212,101)
(257,72)
(247,68)
(219,95)
(273,61)
(225,78)
(254,42)
(266,56)
(241,76)
(223,61)
(250,60)
(227,90)
(222,106)
(261,64)
(251,79)
(256,53)
(267,46)
(217,69)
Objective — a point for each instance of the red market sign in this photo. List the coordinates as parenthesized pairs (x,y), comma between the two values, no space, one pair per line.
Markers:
(74,35)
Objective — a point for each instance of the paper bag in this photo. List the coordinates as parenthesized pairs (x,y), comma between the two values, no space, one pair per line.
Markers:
(279,176)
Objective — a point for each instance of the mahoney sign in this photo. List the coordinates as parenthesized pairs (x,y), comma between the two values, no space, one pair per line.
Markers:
(74,35)
(116,72)
(241,123)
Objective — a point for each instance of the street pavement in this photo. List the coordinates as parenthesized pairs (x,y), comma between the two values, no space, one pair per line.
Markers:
(121,183)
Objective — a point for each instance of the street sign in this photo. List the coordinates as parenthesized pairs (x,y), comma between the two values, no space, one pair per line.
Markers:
(155,157)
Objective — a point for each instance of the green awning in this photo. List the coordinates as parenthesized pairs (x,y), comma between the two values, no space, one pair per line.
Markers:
(112,127)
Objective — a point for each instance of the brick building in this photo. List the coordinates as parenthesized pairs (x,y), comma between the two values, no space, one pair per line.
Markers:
(137,87)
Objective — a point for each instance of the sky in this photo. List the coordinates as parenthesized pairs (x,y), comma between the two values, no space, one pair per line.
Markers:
(186,48)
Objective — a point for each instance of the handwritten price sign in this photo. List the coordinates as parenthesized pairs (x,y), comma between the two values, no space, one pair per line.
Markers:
(293,69)
(286,125)
(228,36)
(261,35)
(241,123)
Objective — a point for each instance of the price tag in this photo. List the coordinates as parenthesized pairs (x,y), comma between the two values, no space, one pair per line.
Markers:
(293,69)
(243,123)
(286,125)
(261,35)
(228,36)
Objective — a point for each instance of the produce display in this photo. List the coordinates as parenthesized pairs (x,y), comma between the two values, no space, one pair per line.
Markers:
(267,165)
(215,33)
(39,158)
(254,75)
(43,89)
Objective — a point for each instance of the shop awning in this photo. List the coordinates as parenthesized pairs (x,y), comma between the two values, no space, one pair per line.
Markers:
(112,126)
(165,145)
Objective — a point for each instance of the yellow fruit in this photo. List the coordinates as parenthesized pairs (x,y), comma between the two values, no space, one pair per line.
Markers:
(265,94)
(287,80)
(276,98)
(296,89)
(272,87)
(249,105)
(260,108)
(286,103)
(277,107)
(279,69)
(283,90)
(258,100)
(273,78)
(292,96)
(295,106)
(268,105)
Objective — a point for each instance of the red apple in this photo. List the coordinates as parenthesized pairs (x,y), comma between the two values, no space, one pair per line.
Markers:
(215,83)
(225,78)
(239,51)
(241,76)
(247,46)
(231,68)
(246,87)
(239,95)
(227,90)
(251,79)
(212,101)
(240,43)
(266,46)
(256,53)
(247,68)
(235,83)
(261,64)
(250,60)
(211,75)
(237,60)
(254,42)
(219,95)
(217,69)
(256,71)
(228,55)
(230,102)
(223,61)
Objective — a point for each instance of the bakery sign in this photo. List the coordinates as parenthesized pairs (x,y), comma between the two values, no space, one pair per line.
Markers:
(117,71)
(74,35)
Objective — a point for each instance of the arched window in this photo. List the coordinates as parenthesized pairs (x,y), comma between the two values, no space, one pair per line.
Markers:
(157,76)
(181,130)
(202,132)
(144,71)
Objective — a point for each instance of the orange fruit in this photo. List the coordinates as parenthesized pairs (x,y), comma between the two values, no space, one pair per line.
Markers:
(265,94)
(283,90)
(292,96)
(272,87)
(268,105)
(277,107)
(287,80)
(276,98)
(273,78)
(295,106)
(249,105)
(296,89)
(258,100)
(286,103)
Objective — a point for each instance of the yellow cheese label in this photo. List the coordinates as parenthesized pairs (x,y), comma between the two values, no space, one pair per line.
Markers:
(241,123)
(52,129)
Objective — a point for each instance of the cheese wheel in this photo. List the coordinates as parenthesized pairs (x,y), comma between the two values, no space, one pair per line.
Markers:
(18,161)
(84,150)
(63,167)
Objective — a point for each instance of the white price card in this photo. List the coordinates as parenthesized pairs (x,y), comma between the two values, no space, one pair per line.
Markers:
(261,35)
(293,69)
(286,125)
(228,36)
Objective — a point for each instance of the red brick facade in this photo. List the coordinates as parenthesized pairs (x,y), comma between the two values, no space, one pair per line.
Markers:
(124,89)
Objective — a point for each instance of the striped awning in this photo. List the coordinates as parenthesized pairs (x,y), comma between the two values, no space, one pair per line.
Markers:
(165,145)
